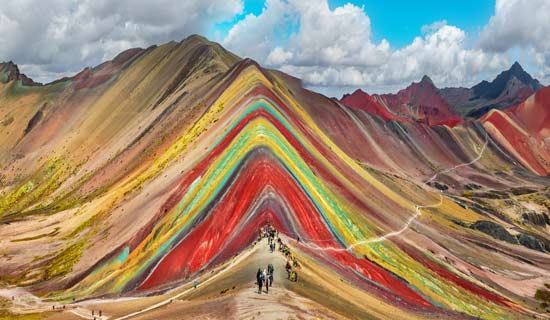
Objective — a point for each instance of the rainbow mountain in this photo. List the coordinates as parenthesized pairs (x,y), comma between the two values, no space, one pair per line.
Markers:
(139,175)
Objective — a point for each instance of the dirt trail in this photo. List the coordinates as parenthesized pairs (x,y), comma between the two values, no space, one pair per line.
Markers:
(230,292)
(25,302)
(281,302)
(234,294)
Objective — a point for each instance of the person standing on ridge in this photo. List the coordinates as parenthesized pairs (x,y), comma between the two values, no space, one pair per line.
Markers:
(294,276)
(259,280)
(270,270)
(264,276)
(288,268)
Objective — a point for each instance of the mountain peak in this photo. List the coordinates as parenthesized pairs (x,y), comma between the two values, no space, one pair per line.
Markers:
(427,80)
(203,46)
(494,89)
(516,70)
(360,91)
(196,37)
(516,67)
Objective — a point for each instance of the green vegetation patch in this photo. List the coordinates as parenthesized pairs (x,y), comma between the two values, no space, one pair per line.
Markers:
(5,313)
(34,188)
(8,315)
(63,263)
(85,225)
(51,234)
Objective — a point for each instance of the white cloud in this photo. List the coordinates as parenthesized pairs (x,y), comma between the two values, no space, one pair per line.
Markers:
(333,47)
(278,56)
(59,37)
(255,36)
(523,24)
(334,37)
(440,53)
(430,28)
(518,23)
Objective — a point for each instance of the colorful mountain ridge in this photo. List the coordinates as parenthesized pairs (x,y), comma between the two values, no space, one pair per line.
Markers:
(139,175)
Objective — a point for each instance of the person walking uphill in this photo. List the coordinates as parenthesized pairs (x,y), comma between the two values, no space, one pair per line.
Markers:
(266,281)
(288,268)
(259,280)
(270,271)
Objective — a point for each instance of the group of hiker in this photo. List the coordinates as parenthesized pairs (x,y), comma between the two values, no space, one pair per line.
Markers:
(291,262)
(265,277)
(94,313)
(99,313)
(270,233)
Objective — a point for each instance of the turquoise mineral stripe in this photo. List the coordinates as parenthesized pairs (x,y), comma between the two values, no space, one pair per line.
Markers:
(297,164)
(209,189)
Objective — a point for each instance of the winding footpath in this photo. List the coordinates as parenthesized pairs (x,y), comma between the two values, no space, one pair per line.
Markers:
(412,219)
(476,159)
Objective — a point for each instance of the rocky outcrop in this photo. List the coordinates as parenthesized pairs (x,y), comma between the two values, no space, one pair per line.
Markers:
(531,242)
(494,230)
(438,185)
(9,71)
(472,186)
(535,219)
(499,232)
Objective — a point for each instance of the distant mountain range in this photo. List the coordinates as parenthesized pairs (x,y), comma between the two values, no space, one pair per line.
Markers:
(509,88)
(423,101)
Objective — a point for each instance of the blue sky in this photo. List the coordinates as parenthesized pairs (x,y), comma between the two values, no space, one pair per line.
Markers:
(401,21)
(398,21)
(220,30)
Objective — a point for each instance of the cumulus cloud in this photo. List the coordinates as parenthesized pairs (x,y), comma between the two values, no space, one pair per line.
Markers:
(522,24)
(333,47)
(59,37)
(279,56)
(441,53)
(334,37)
(255,36)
